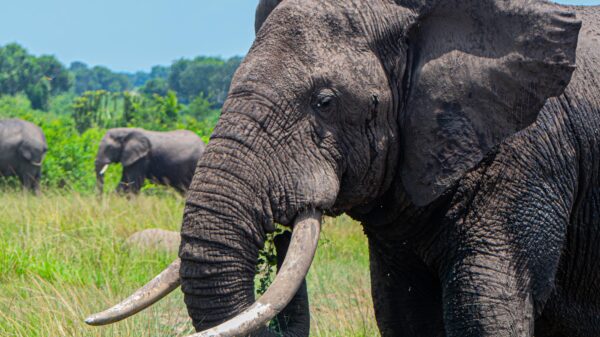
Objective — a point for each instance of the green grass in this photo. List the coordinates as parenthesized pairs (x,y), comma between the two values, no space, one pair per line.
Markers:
(63,257)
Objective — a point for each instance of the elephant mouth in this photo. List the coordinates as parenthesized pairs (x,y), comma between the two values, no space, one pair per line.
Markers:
(303,245)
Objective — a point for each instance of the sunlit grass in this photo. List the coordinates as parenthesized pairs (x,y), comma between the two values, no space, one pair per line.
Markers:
(63,257)
(339,282)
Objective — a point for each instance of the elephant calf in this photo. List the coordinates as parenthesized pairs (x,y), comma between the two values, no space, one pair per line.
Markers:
(22,150)
(167,158)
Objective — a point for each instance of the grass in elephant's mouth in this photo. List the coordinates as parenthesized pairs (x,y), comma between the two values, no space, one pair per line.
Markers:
(62,258)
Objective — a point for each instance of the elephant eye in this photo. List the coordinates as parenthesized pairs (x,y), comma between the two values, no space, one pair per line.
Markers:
(325,100)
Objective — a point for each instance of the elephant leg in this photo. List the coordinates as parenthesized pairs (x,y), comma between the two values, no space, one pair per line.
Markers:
(500,271)
(406,294)
(483,296)
(123,186)
(30,179)
(133,178)
(503,241)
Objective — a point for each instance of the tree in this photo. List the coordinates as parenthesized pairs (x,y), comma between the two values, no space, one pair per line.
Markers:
(37,77)
(158,86)
(98,108)
(140,78)
(208,76)
(168,107)
(201,109)
(56,74)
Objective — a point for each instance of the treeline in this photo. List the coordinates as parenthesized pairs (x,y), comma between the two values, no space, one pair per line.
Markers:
(41,78)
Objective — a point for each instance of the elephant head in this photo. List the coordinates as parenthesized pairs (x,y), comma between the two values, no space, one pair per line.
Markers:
(340,102)
(125,146)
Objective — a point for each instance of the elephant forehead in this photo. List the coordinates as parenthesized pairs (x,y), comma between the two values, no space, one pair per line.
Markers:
(9,135)
(302,22)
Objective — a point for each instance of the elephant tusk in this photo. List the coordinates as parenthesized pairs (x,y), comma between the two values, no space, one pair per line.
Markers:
(104,168)
(303,245)
(159,287)
(36,164)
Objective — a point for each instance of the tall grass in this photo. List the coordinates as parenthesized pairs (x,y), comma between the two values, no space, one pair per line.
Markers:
(63,257)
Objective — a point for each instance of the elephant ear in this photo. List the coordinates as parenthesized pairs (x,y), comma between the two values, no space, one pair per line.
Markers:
(136,147)
(263,10)
(480,71)
(26,153)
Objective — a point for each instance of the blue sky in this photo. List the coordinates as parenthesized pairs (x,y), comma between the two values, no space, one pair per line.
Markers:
(130,35)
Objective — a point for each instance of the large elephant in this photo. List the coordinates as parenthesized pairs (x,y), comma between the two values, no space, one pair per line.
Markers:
(463,134)
(167,158)
(22,150)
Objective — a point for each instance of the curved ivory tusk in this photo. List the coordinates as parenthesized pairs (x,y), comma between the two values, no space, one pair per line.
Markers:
(301,252)
(36,164)
(159,287)
(104,168)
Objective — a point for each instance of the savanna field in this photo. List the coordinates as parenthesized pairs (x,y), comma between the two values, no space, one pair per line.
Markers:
(63,256)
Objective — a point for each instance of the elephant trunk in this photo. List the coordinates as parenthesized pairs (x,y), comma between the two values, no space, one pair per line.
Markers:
(242,186)
(225,225)
(218,264)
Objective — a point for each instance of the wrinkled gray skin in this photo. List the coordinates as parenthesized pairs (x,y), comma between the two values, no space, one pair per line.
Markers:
(167,158)
(431,123)
(22,150)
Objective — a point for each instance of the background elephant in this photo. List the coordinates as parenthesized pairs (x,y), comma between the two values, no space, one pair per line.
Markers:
(22,150)
(167,158)
(430,122)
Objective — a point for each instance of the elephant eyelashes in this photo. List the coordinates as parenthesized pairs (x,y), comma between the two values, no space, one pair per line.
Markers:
(325,101)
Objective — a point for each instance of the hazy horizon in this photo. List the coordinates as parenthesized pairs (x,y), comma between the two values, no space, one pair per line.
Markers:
(127,36)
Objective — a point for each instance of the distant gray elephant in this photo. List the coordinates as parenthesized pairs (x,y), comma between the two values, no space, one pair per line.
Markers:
(167,158)
(22,150)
